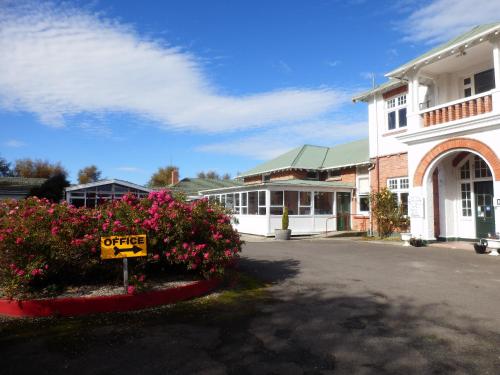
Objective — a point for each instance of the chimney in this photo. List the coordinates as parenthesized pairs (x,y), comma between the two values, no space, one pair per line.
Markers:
(175,176)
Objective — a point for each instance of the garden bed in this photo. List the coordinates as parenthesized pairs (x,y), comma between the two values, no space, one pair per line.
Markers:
(85,303)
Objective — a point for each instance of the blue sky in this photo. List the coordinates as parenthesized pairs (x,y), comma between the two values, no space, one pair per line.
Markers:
(135,85)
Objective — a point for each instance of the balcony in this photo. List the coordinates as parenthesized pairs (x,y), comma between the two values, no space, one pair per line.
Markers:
(458,109)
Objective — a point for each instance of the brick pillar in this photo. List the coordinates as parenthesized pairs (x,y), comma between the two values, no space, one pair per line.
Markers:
(432,118)
(426,119)
(458,111)
(439,116)
(480,106)
(472,108)
(446,114)
(465,109)
(488,106)
(451,112)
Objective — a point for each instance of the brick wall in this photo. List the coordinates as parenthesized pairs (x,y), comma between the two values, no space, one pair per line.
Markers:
(391,166)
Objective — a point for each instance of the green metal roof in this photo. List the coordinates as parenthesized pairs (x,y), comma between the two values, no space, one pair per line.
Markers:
(191,186)
(472,33)
(21,181)
(316,158)
(284,183)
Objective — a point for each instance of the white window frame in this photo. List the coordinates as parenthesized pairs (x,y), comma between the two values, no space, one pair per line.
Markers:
(402,186)
(395,104)
(363,194)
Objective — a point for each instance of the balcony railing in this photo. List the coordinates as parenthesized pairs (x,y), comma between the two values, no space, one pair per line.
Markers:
(459,109)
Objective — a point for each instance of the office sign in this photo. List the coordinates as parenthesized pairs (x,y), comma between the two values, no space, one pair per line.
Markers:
(117,247)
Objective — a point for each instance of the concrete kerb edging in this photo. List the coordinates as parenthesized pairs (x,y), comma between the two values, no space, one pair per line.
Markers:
(74,306)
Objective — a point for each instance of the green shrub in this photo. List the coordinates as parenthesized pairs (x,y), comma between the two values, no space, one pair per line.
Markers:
(284,219)
(386,212)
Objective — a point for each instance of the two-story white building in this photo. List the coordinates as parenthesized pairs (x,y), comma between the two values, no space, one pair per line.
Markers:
(434,131)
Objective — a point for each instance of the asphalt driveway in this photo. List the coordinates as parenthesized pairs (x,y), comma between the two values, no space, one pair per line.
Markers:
(330,307)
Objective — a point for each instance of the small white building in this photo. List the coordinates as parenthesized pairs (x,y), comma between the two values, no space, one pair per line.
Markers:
(93,193)
(434,131)
(324,189)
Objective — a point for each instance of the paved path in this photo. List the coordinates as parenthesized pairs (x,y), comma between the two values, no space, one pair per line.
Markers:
(333,307)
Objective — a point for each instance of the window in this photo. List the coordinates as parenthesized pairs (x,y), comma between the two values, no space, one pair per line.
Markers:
(363,195)
(399,188)
(266,178)
(253,203)
(237,203)
(465,171)
(262,202)
(244,204)
(292,202)
(323,203)
(479,83)
(396,112)
(466,199)
(230,201)
(481,169)
(276,203)
(334,173)
(484,81)
(305,203)
(312,175)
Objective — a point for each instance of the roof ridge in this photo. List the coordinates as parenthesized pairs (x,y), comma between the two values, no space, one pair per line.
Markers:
(292,164)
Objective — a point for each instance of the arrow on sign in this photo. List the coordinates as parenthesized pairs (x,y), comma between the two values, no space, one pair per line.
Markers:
(134,248)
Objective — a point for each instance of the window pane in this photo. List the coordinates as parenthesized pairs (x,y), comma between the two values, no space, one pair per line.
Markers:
(262,198)
(304,210)
(276,198)
(243,199)
(323,203)
(276,211)
(404,203)
(305,198)
(262,210)
(484,81)
(465,171)
(237,199)
(402,117)
(252,203)
(364,203)
(391,120)
(291,202)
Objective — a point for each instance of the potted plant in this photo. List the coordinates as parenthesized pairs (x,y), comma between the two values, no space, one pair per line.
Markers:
(417,242)
(494,244)
(480,247)
(284,233)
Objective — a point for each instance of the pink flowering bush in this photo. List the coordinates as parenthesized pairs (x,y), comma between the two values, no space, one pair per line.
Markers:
(43,243)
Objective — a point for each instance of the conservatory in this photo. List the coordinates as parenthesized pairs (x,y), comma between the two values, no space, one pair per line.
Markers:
(313,206)
(94,193)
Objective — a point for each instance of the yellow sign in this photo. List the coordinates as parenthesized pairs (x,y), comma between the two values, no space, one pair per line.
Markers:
(116,247)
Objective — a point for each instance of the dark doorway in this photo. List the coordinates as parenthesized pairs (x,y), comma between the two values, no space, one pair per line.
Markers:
(343,211)
(485,214)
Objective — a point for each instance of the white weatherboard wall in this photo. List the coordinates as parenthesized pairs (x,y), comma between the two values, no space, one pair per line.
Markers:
(378,131)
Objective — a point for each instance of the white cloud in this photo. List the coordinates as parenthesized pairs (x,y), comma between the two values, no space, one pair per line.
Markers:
(130,169)
(60,61)
(333,63)
(441,20)
(273,142)
(14,143)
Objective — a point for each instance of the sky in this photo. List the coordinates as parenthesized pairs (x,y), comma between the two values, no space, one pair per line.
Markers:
(223,85)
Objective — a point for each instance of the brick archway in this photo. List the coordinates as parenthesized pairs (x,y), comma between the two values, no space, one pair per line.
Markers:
(457,143)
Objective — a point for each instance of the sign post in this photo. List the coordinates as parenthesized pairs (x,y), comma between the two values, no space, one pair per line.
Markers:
(116,247)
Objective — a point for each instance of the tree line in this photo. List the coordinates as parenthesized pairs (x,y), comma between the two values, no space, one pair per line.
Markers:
(57,175)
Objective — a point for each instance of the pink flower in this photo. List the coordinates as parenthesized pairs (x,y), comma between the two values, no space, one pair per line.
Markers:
(206,255)
(19,241)
(156,257)
(20,273)
(131,289)
(50,211)
(141,278)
